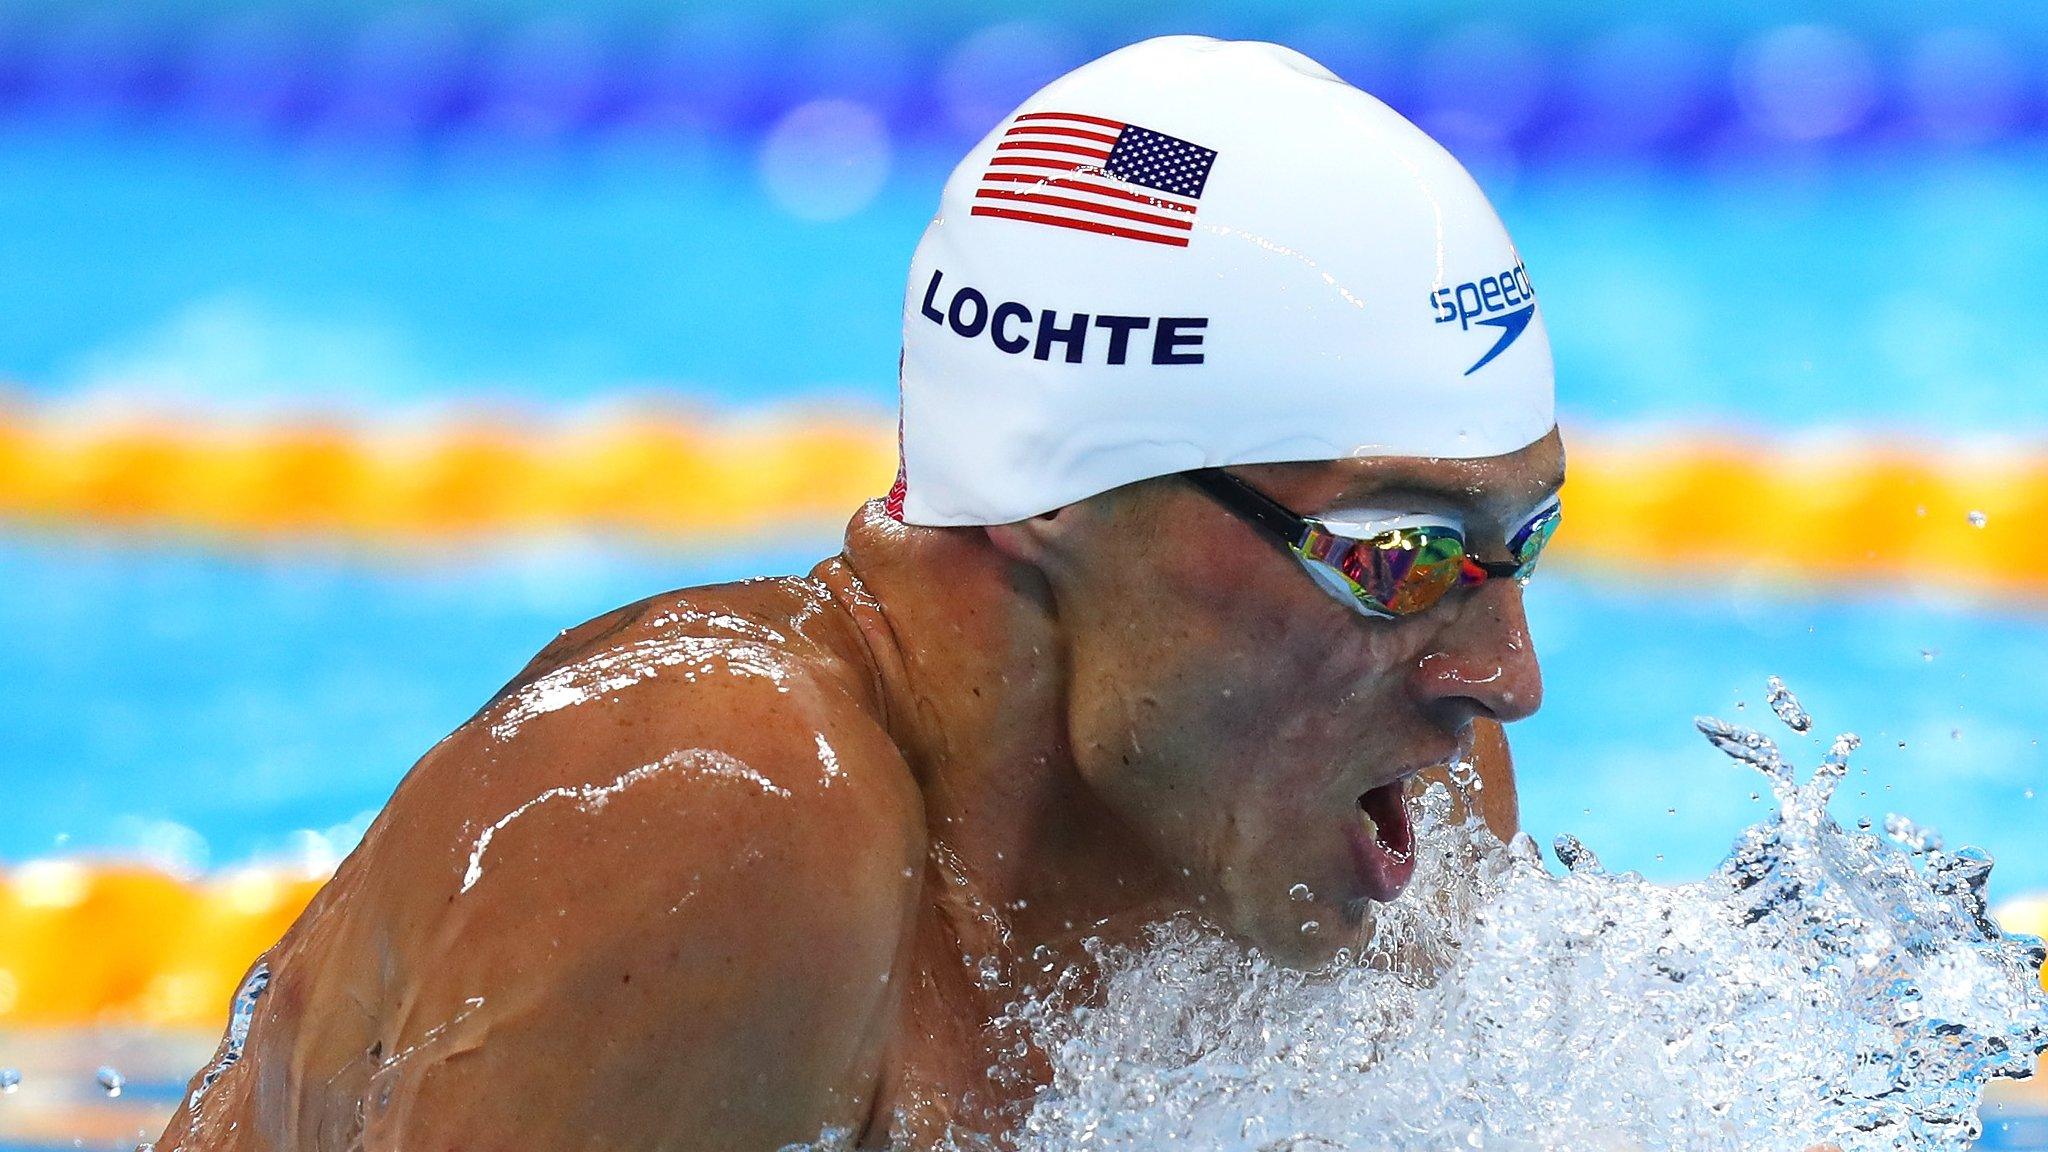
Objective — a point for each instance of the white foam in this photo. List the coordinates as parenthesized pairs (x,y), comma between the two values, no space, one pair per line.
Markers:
(1822,986)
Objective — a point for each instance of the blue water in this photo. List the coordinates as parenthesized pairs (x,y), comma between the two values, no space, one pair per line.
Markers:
(203,707)
(1887,292)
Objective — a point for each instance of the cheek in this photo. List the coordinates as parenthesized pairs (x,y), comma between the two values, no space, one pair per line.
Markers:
(1245,654)
(1234,714)
(1232,689)
(1315,663)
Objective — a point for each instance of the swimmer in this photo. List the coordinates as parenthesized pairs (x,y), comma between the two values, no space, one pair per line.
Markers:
(1227,446)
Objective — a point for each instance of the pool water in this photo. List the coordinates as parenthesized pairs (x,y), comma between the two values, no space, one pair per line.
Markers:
(203,707)
(1880,293)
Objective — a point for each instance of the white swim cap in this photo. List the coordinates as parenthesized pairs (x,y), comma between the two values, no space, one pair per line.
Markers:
(1197,252)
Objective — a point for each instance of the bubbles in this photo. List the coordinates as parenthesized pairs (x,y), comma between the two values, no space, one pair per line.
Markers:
(10,1081)
(1978,519)
(1821,986)
(110,1080)
(825,160)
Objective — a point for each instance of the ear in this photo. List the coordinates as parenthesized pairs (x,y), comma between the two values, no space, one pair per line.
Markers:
(1032,541)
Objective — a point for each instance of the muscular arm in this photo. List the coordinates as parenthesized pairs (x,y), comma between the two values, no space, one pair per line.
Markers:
(642,901)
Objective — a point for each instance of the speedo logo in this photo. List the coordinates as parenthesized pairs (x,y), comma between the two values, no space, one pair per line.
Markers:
(1505,302)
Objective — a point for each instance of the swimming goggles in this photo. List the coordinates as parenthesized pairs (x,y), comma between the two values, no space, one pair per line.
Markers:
(1396,571)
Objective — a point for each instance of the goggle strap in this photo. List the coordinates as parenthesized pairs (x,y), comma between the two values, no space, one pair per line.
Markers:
(1252,504)
(1495,569)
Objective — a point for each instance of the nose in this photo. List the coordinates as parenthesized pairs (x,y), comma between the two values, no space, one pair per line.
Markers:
(1482,662)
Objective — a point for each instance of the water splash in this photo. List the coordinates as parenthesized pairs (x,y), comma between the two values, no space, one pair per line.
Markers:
(240,1017)
(1821,986)
(1787,706)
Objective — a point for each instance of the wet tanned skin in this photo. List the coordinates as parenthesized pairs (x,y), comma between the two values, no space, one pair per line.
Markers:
(703,875)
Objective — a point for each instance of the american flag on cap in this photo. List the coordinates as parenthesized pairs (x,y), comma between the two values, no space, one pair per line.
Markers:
(1093,174)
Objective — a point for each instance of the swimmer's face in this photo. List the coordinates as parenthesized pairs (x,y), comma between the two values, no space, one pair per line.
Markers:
(1241,719)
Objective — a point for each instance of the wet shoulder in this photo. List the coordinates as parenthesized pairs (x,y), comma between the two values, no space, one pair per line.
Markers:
(776,628)
(695,786)
(762,671)
(750,702)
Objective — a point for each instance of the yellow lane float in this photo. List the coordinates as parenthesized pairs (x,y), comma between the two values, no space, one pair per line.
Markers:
(83,943)
(1854,508)
(647,476)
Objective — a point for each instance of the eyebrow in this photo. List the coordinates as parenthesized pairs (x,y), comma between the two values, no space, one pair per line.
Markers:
(1399,489)
(1402,496)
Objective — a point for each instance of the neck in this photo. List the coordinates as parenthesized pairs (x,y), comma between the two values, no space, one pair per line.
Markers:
(968,650)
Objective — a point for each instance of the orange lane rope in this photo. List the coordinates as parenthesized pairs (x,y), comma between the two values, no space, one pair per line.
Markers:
(1877,510)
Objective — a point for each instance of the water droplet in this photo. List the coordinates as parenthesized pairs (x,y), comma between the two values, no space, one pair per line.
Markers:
(1310,927)
(1977,519)
(990,974)
(1928,654)
(1909,835)
(1575,856)
(1299,893)
(10,1080)
(1786,705)
(1751,747)
(2027,795)
(109,1080)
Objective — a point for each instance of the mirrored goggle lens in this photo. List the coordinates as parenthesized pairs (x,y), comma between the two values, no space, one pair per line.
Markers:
(1529,543)
(1396,572)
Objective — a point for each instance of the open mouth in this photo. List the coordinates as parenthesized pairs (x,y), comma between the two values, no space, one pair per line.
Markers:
(1383,841)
